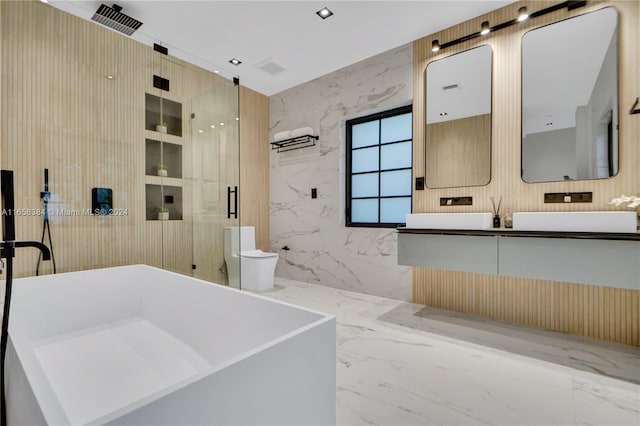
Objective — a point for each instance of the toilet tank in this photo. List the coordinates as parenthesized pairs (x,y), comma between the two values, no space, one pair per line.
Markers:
(247,239)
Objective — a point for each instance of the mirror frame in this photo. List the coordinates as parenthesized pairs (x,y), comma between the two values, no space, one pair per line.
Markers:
(615,124)
(426,141)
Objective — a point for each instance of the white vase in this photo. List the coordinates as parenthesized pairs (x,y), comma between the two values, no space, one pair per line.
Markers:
(161,129)
(163,215)
(162,172)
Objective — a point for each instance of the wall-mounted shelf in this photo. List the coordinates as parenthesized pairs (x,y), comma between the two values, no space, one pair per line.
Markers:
(294,143)
(169,154)
(162,110)
(159,180)
(165,137)
(169,197)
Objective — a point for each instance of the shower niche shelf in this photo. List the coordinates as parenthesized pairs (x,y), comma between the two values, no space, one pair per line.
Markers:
(169,154)
(167,196)
(162,110)
(167,181)
(166,137)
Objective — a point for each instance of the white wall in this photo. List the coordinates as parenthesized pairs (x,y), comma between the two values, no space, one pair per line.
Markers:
(602,100)
(323,250)
(549,156)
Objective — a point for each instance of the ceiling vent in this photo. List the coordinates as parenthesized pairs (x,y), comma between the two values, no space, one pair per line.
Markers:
(112,17)
(271,67)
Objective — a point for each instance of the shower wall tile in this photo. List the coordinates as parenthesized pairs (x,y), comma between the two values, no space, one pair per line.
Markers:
(322,249)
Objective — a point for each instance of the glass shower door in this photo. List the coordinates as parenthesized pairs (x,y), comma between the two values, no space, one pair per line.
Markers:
(215,175)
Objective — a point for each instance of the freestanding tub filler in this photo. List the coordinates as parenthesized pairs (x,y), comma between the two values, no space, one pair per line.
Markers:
(139,345)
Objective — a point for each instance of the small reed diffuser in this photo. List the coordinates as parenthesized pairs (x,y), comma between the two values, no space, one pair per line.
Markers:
(496,212)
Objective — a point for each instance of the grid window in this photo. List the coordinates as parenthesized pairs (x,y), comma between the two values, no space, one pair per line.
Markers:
(379,168)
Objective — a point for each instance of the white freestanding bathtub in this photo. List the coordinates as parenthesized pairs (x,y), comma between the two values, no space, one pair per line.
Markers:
(141,346)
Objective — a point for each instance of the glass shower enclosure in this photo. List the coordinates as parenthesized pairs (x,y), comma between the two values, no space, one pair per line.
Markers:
(196,188)
(215,180)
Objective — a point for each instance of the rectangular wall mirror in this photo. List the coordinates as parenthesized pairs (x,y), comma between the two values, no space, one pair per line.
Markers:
(458,118)
(570,99)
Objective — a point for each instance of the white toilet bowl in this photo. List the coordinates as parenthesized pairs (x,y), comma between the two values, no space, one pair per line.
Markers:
(257,269)
(247,268)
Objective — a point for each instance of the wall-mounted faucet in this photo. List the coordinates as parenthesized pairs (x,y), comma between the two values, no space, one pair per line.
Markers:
(8,252)
(8,246)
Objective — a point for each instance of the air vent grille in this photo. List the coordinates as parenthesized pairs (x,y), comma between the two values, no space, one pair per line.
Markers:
(272,68)
(112,17)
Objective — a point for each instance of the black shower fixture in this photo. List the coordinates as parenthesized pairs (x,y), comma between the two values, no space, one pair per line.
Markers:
(113,18)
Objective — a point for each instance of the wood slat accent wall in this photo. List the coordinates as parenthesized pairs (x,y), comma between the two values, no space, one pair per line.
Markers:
(586,310)
(61,112)
(604,313)
(454,162)
(254,166)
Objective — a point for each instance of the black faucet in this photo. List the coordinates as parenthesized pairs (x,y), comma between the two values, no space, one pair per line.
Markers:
(8,248)
(8,252)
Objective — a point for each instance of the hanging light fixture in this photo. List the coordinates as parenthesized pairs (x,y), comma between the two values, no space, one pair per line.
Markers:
(522,16)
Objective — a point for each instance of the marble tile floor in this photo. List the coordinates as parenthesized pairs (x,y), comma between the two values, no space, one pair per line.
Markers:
(400,363)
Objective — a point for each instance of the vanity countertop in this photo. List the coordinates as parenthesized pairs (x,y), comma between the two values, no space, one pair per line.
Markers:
(508,232)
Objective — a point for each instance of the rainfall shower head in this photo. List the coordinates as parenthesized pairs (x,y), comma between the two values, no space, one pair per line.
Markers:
(112,17)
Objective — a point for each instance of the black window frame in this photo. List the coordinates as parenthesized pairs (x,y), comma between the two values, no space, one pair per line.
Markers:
(348,175)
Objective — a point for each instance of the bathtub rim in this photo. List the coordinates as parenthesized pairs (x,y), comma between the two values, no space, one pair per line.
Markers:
(54,411)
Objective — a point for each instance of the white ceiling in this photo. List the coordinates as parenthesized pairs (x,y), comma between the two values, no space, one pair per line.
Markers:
(287,33)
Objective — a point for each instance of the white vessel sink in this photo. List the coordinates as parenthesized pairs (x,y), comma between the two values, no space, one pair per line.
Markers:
(477,221)
(610,221)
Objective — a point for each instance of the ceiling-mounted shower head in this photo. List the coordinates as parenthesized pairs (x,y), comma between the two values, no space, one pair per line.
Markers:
(112,17)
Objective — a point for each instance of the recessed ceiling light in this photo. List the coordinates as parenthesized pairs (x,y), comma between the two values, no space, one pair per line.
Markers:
(110,77)
(222,124)
(237,118)
(200,131)
(216,71)
(213,126)
(324,13)
(45,1)
(235,61)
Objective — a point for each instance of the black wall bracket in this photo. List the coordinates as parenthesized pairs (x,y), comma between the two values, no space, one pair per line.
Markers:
(633,109)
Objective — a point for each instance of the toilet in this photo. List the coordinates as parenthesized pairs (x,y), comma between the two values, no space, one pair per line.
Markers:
(257,268)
